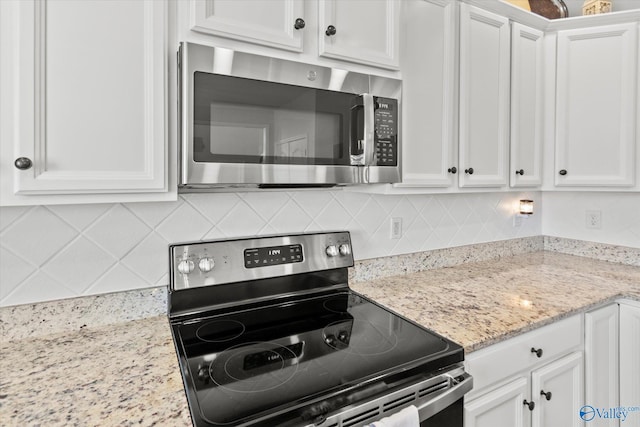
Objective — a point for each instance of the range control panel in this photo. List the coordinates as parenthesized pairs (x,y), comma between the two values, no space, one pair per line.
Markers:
(227,261)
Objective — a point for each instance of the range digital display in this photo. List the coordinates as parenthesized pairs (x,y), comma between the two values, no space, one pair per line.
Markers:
(273,255)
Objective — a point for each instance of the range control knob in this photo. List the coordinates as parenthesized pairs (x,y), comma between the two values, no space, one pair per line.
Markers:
(206,264)
(344,249)
(332,250)
(186,266)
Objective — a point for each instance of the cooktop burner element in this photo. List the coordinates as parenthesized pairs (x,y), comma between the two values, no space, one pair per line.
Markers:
(220,330)
(278,345)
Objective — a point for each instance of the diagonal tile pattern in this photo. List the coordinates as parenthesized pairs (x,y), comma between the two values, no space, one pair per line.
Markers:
(53,252)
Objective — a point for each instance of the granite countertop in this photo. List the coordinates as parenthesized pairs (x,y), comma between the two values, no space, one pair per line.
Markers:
(127,373)
(479,304)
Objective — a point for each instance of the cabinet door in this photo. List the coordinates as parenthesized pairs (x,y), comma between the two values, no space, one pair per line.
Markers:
(484,97)
(595,106)
(84,87)
(502,407)
(562,382)
(271,23)
(601,361)
(630,361)
(364,31)
(429,155)
(526,106)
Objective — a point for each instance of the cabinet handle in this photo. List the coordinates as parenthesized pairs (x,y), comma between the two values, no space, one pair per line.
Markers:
(299,24)
(331,31)
(547,395)
(23,163)
(530,405)
(520,172)
(538,352)
(452,170)
(563,172)
(469,171)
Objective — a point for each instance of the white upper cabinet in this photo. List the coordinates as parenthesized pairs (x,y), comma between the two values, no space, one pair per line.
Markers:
(526,106)
(364,31)
(484,98)
(83,105)
(596,114)
(360,31)
(275,23)
(429,151)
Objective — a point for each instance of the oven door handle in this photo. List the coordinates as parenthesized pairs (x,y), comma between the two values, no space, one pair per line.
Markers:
(441,400)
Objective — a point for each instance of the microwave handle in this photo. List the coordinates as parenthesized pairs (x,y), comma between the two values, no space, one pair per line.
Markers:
(369,129)
(362,151)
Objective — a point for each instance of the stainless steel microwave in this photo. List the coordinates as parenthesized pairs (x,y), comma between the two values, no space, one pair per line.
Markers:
(249,120)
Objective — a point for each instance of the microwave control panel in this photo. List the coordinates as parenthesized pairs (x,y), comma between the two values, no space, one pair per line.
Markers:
(386,131)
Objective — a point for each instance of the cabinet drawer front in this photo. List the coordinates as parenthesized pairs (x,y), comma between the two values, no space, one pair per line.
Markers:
(504,359)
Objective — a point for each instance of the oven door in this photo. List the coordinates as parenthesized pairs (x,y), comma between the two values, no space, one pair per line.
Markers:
(252,120)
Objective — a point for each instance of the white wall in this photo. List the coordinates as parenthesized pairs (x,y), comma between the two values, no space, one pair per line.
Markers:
(564,216)
(54,252)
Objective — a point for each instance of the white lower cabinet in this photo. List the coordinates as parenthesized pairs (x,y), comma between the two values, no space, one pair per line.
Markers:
(602,386)
(500,407)
(552,377)
(535,379)
(557,389)
(630,362)
(549,396)
(612,365)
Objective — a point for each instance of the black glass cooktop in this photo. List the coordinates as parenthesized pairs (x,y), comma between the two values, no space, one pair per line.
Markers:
(296,358)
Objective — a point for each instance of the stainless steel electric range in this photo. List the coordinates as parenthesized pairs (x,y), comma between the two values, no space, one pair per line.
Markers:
(268,333)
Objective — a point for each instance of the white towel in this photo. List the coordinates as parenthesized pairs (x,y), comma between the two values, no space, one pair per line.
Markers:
(408,417)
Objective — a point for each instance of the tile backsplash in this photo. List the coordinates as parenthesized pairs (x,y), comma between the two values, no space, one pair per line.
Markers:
(55,252)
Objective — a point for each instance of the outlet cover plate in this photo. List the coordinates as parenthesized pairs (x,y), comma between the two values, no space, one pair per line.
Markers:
(593,219)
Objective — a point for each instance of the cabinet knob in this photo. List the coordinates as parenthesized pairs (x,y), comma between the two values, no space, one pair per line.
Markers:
(23,163)
(563,172)
(331,31)
(469,171)
(538,352)
(520,172)
(547,395)
(530,405)
(299,24)
(452,170)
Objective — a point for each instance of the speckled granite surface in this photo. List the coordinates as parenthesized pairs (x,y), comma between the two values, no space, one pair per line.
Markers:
(127,373)
(601,251)
(482,303)
(118,375)
(54,317)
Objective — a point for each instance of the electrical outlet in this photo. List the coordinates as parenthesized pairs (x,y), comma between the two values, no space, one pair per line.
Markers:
(517,220)
(593,219)
(396,228)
